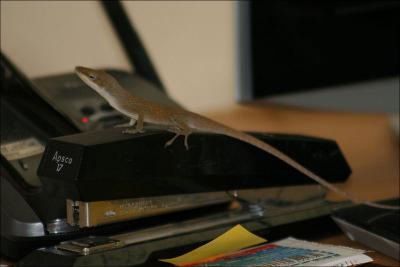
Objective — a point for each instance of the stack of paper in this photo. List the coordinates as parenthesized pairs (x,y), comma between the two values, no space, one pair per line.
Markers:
(228,250)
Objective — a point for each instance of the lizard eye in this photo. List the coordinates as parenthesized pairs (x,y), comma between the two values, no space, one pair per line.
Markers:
(92,76)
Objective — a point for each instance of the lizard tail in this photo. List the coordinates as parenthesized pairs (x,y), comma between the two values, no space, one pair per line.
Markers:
(280,155)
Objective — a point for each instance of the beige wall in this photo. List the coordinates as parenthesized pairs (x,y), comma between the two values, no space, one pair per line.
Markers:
(191,43)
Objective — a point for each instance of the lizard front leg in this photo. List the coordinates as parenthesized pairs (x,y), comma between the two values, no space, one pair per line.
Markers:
(139,125)
(131,123)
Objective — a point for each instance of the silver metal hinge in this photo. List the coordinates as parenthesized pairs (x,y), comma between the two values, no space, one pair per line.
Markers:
(90,245)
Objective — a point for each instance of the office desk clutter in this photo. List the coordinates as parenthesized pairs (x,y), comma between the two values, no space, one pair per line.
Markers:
(79,181)
(96,181)
(101,166)
(105,185)
(239,247)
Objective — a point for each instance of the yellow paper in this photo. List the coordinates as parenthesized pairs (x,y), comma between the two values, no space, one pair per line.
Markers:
(233,240)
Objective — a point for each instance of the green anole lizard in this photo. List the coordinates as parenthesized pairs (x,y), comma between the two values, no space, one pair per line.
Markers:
(183,122)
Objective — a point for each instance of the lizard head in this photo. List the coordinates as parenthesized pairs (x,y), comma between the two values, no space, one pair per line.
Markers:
(95,79)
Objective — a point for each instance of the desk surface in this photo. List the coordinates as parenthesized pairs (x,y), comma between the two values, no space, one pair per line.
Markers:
(368,141)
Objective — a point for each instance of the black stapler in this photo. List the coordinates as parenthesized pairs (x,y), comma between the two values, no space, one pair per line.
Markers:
(107,176)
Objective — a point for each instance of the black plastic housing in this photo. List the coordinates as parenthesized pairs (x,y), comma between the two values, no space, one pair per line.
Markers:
(108,164)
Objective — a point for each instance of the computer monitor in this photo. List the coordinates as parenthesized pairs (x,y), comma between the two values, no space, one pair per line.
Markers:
(341,55)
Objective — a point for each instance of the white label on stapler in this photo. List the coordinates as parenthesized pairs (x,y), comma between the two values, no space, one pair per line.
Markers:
(60,160)
(21,149)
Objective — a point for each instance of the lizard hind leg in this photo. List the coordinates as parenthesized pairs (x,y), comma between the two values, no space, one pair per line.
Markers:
(172,140)
(177,134)
(179,129)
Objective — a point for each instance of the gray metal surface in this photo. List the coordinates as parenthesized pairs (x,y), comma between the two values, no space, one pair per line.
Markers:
(17,217)
(58,226)
(369,239)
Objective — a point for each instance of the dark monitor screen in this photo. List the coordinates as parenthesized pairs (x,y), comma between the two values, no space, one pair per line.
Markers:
(302,45)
